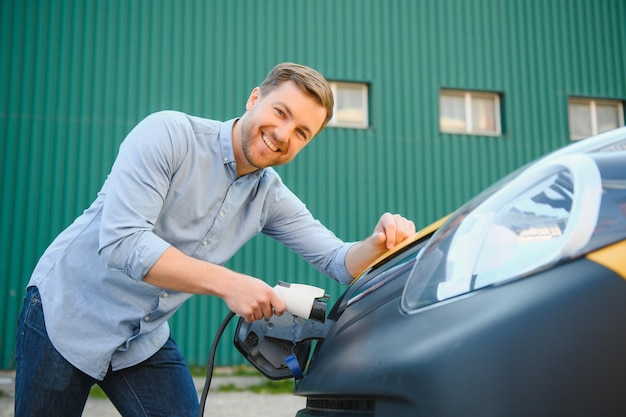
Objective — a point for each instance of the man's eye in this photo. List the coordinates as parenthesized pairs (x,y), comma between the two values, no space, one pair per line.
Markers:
(280,112)
(302,134)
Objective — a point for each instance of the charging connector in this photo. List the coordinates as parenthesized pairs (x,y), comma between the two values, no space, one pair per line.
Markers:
(305,301)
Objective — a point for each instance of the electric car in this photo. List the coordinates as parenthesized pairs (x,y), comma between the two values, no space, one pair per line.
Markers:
(513,305)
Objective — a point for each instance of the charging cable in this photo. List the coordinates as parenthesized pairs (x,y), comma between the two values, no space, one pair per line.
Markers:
(209,369)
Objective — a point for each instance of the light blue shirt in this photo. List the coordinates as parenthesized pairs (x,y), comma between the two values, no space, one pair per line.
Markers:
(174,182)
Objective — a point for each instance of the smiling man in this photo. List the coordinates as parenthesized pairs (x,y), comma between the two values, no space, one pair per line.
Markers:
(279,122)
(183,195)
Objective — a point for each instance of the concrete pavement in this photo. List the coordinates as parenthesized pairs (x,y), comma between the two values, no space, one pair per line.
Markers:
(223,404)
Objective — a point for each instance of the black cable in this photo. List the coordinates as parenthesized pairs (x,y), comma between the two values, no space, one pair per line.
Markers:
(209,369)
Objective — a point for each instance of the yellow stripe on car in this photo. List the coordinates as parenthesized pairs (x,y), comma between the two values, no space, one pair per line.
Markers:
(612,257)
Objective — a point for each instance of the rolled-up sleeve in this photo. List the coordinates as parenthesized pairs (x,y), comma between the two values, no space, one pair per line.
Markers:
(135,191)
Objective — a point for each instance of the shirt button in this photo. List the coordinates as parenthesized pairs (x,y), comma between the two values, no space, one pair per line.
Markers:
(205,243)
(165,295)
(147,318)
(221,214)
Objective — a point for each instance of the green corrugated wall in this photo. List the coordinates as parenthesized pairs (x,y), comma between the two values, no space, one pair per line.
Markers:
(76,75)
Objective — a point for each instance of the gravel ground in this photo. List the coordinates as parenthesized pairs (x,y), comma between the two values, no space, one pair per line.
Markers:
(223,404)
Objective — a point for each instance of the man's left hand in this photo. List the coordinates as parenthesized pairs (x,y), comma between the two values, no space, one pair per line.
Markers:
(393,229)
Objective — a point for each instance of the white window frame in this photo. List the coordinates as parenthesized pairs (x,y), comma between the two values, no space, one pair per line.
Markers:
(593,114)
(337,120)
(469,128)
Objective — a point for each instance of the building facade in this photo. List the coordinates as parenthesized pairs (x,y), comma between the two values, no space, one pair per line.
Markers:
(436,100)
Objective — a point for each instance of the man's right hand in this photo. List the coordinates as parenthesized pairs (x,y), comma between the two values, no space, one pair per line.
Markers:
(252,298)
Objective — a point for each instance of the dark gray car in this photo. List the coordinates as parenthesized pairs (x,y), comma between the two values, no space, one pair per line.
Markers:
(514,306)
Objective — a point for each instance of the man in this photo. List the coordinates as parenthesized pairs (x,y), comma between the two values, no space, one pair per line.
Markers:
(183,195)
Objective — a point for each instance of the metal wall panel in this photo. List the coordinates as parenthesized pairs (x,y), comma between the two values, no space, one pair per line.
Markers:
(76,75)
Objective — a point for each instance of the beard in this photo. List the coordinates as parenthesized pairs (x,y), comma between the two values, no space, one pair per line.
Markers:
(247,140)
(254,150)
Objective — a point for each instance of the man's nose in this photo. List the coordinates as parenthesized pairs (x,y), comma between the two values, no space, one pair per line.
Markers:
(283,133)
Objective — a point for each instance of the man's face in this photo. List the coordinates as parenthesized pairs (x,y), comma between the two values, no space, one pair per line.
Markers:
(276,127)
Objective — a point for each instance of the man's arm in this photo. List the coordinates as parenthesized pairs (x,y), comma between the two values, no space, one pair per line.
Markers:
(391,230)
(252,298)
(248,297)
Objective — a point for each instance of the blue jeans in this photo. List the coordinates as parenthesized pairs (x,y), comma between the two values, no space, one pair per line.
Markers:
(48,385)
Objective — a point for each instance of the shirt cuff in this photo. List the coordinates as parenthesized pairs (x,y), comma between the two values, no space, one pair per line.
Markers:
(147,251)
(340,272)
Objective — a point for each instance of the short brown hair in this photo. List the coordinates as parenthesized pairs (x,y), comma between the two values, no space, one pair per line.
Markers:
(309,80)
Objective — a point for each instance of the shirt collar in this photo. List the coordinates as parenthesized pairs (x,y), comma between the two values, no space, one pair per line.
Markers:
(226,141)
(226,147)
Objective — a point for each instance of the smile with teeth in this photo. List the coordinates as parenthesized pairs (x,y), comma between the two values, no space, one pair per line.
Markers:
(269,143)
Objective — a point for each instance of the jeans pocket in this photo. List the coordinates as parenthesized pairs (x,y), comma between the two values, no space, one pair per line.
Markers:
(31,317)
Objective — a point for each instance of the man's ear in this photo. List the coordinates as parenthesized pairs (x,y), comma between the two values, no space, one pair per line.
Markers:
(254,97)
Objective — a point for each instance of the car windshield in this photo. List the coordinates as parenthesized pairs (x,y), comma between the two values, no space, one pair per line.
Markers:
(556,209)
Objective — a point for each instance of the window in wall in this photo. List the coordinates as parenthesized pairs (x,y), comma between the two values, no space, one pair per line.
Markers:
(588,117)
(470,112)
(351,105)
